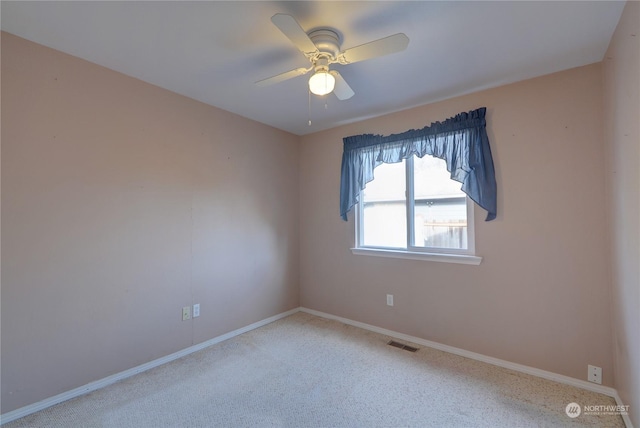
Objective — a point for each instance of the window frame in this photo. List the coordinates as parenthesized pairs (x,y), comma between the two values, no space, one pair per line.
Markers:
(411,251)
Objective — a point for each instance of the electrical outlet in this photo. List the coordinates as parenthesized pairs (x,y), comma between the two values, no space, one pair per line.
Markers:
(196,310)
(389,299)
(594,374)
(186,313)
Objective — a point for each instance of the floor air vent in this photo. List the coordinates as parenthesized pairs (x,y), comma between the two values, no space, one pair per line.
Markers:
(402,346)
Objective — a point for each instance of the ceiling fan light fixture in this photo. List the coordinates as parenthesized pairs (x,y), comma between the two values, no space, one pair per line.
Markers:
(322,83)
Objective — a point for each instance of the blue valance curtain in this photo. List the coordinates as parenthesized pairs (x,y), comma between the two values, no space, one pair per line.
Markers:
(461,141)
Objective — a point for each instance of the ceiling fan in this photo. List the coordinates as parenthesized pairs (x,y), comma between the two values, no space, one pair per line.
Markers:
(322,48)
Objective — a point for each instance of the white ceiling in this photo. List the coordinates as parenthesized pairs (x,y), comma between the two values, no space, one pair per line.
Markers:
(214,51)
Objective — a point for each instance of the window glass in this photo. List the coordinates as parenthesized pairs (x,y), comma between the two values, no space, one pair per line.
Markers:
(440,207)
(384,216)
(423,188)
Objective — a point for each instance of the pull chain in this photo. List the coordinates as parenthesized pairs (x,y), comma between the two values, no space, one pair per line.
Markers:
(309,107)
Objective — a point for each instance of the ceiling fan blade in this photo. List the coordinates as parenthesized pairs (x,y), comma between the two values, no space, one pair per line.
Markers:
(388,45)
(290,28)
(283,76)
(342,89)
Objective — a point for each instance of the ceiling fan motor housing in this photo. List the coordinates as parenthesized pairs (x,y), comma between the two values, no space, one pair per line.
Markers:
(327,41)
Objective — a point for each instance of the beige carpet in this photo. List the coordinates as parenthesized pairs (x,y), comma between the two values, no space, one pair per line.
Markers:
(305,371)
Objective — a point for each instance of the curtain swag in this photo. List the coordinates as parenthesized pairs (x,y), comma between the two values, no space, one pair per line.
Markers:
(461,141)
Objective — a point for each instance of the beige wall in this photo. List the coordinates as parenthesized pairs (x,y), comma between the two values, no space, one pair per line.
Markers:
(622,138)
(121,203)
(540,297)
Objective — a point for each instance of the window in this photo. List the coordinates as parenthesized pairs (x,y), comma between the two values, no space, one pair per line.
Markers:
(414,206)
(409,206)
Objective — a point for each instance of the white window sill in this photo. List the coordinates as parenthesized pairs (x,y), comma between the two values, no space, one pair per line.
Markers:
(465,259)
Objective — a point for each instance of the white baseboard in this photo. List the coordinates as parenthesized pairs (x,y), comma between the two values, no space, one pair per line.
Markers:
(51,401)
(611,392)
(625,417)
(57,399)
